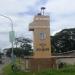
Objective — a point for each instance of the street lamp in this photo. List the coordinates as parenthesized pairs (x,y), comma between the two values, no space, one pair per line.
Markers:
(12,38)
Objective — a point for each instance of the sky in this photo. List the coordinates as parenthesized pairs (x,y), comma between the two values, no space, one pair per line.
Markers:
(61,12)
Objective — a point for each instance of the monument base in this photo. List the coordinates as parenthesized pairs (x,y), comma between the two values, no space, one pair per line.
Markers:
(37,64)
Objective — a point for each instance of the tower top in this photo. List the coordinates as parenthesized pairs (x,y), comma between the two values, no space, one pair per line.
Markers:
(42,10)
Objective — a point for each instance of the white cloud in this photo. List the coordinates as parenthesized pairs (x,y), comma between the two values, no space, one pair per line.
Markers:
(62,14)
(14,6)
(61,6)
(11,8)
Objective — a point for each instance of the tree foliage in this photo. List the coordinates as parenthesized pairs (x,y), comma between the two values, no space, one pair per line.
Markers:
(63,41)
(23,47)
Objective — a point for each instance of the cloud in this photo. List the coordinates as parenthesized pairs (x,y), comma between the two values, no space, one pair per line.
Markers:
(34,9)
(4,40)
(61,12)
(61,6)
(11,8)
(14,6)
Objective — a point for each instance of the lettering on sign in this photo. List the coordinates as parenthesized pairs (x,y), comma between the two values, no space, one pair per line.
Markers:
(42,49)
(41,18)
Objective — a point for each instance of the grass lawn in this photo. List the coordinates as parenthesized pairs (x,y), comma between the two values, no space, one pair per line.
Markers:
(70,70)
(7,71)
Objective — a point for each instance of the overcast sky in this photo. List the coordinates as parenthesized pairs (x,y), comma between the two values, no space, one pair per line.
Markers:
(62,15)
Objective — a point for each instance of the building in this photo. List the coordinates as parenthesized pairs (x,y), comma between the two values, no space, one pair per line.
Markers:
(42,45)
(41,32)
(43,58)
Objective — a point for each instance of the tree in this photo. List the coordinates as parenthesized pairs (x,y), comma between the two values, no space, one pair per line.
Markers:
(23,47)
(17,52)
(64,41)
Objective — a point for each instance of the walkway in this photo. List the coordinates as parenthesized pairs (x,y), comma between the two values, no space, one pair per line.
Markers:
(5,62)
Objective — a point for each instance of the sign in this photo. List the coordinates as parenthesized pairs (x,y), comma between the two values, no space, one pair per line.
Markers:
(12,36)
(41,18)
(42,49)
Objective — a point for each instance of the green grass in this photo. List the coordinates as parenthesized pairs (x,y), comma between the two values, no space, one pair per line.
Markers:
(68,70)
(8,71)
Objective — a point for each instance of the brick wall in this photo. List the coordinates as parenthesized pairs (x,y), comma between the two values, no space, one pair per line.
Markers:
(36,64)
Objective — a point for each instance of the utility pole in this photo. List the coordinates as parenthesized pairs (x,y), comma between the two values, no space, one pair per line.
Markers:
(11,34)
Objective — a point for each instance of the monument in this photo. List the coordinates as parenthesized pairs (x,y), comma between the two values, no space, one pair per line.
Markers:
(41,58)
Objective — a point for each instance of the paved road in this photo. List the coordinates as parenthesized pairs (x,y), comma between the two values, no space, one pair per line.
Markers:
(5,62)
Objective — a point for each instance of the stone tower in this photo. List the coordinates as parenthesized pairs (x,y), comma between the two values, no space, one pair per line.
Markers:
(41,58)
(41,33)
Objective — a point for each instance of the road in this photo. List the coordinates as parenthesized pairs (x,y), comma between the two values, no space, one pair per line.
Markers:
(6,61)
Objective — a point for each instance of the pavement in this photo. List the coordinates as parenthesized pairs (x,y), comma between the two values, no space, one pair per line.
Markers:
(5,61)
